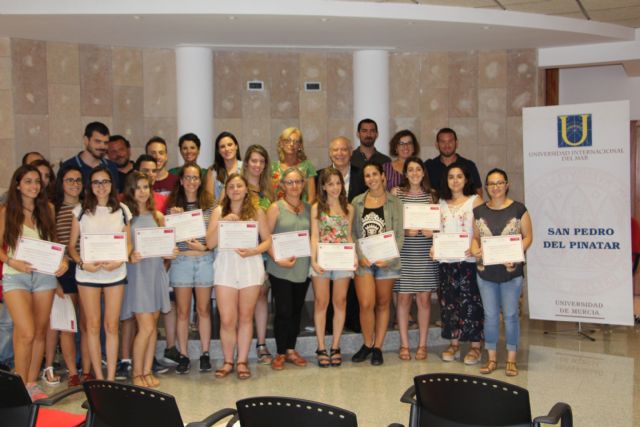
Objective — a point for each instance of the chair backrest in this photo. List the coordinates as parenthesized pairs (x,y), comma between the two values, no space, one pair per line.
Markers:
(273,411)
(120,405)
(15,403)
(454,400)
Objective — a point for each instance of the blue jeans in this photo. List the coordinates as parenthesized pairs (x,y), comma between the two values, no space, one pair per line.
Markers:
(506,295)
(6,336)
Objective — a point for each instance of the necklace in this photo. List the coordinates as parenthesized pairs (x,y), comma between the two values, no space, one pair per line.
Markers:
(376,198)
(297,209)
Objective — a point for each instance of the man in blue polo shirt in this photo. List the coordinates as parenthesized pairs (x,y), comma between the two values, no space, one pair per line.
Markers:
(447,143)
(96,141)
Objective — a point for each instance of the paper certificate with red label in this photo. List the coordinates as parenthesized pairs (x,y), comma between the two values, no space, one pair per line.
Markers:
(420,216)
(450,246)
(44,257)
(237,234)
(336,256)
(293,243)
(502,249)
(189,225)
(155,241)
(95,247)
(379,247)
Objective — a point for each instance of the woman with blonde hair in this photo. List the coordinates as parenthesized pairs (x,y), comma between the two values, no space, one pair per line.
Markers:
(291,155)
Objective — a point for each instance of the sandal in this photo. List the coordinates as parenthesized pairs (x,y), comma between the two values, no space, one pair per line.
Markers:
(511,370)
(50,377)
(139,381)
(404,353)
(243,374)
(223,371)
(421,353)
(473,356)
(151,380)
(452,353)
(491,366)
(336,357)
(264,356)
(323,358)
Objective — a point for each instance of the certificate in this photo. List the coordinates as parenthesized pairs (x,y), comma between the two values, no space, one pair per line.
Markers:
(237,234)
(155,241)
(188,225)
(450,246)
(379,247)
(502,249)
(63,315)
(44,257)
(293,243)
(421,216)
(96,247)
(336,256)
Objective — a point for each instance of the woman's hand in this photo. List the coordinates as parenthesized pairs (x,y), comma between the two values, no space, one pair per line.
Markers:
(21,266)
(287,262)
(91,267)
(176,251)
(316,267)
(194,245)
(111,265)
(231,217)
(59,291)
(431,253)
(62,268)
(247,252)
(365,262)
(381,264)
(427,233)
(135,257)
(175,210)
(477,253)
(468,253)
(411,233)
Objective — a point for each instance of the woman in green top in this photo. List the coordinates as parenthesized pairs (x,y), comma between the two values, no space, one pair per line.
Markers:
(291,155)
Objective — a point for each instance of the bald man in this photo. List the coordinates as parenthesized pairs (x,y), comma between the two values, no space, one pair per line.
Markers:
(340,151)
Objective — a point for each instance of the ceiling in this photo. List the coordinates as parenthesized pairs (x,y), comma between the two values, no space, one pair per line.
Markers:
(327,25)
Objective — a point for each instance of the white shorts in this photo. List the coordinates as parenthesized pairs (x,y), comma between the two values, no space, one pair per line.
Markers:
(231,270)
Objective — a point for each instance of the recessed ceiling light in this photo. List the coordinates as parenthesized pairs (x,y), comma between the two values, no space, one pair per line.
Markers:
(137,17)
(324,19)
(232,18)
(486,27)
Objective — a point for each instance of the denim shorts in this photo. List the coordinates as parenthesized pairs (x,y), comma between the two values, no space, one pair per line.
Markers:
(332,274)
(378,272)
(192,271)
(30,282)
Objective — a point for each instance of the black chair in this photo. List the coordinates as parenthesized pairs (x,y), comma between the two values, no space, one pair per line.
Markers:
(17,410)
(119,405)
(273,411)
(454,400)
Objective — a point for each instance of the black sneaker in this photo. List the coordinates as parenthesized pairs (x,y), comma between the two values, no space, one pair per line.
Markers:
(123,371)
(376,357)
(205,362)
(362,354)
(183,365)
(171,356)
(157,368)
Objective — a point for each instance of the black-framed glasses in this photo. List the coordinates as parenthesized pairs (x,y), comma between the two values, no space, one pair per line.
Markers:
(101,183)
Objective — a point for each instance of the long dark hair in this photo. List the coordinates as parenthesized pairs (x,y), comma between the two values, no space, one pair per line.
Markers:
(425,184)
(91,201)
(130,185)
(248,208)
(218,161)
(58,200)
(14,213)
(467,190)
(323,203)
(50,189)
(178,198)
(265,178)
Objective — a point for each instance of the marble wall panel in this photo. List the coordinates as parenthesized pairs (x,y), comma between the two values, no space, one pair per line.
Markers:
(434,103)
(429,128)
(522,67)
(5,46)
(284,73)
(29,76)
(514,145)
(313,67)
(96,83)
(463,68)
(159,73)
(57,155)
(434,70)
(313,118)
(128,113)
(256,104)
(127,66)
(516,186)
(167,128)
(340,127)
(63,63)
(489,157)
(228,85)
(492,68)
(32,134)
(65,129)
(5,73)
(520,97)
(467,131)
(492,116)
(258,131)
(6,115)
(340,86)
(404,85)
(8,161)
(463,101)
(230,125)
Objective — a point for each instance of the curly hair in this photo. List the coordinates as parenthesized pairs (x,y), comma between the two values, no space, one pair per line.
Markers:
(248,207)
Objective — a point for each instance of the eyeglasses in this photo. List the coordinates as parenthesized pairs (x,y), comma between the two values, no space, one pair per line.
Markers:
(496,184)
(404,143)
(290,141)
(191,178)
(102,183)
(73,181)
(292,182)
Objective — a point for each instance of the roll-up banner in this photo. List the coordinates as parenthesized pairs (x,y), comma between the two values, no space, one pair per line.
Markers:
(577,191)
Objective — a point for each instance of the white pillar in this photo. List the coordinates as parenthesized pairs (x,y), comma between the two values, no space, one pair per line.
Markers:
(194,86)
(371,93)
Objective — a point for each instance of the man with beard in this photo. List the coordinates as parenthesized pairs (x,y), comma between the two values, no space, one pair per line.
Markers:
(367,134)
(447,143)
(165,182)
(95,140)
(119,152)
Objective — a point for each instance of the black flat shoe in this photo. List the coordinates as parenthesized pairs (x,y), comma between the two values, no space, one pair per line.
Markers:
(376,357)
(362,354)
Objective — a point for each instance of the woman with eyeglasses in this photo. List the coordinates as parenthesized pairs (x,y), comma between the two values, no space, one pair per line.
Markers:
(100,212)
(291,155)
(226,161)
(289,277)
(193,268)
(402,146)
(500,285)
(28,294)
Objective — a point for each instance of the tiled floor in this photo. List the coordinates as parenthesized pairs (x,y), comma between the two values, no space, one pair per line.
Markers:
(598,379)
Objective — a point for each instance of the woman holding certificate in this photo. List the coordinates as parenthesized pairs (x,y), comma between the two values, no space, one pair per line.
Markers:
(331,218)
(501,283)
(289,277)
(255,169)
(291,155)
(193,267)
(28,294)
(461,307)
(376,212)
(226,161)
(419,273)
(101,224)
(239,273)
(147,292)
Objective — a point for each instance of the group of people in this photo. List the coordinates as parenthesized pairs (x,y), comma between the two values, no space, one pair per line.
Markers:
(361,194)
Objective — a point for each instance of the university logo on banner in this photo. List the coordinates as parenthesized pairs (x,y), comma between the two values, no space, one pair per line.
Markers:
(574,131)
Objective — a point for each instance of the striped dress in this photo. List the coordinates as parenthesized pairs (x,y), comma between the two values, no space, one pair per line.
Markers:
(419,272)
